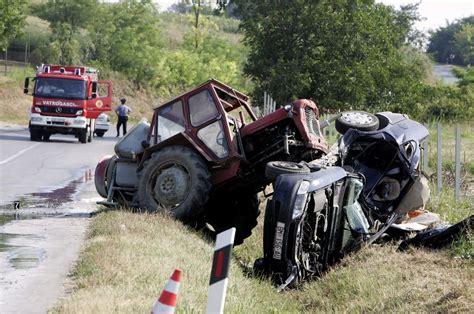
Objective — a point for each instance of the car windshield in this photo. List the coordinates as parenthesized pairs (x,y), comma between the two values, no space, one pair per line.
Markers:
(60,88)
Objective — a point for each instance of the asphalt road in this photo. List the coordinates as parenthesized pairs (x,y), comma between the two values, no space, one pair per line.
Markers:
(34,167)
(443,73)
(40,241)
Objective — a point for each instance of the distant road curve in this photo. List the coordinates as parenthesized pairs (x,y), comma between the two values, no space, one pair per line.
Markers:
(443,72)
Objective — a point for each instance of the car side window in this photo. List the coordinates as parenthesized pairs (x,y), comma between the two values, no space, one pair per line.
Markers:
(202,108)
(170,121)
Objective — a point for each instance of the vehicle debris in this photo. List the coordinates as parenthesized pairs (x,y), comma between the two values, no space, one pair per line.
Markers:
(344,200)
(440,235)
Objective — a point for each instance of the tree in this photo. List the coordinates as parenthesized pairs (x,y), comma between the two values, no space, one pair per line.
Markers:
(464,44)
(197,12)
(76,13)
(441,42)
(127,38)
(12,19)
(341,53)
(65,46)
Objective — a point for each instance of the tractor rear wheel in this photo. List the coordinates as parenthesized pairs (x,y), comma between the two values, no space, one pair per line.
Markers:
(240,211)
(174,179)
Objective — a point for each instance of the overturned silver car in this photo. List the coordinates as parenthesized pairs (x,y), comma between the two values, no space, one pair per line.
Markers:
(324,209)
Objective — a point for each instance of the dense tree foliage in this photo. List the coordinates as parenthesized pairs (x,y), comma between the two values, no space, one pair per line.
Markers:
(341,53)
(125,37)
(12,19)
(454,43)
(76,13)
(464,44)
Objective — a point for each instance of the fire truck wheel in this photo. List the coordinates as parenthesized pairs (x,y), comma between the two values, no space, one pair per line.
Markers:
(274,168)
(174,179)
(35,135)
(83,136)
(241,212)
(359,120)
(90,135)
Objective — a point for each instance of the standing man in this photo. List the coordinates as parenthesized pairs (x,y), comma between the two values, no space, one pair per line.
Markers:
(122,112)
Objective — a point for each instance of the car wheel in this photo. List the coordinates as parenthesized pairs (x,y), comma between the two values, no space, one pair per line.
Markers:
(46,136)
(174,179)
(274,168)
(99,133)
(359,120)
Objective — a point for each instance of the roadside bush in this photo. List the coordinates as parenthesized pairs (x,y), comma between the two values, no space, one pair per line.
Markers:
(447,103)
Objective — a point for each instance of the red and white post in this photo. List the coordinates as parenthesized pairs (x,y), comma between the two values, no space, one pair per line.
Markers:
(220,271)
(166,304)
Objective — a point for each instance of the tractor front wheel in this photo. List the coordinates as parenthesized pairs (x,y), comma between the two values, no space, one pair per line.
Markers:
(174,179)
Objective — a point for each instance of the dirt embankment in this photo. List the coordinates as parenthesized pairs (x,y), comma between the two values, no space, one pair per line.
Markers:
(140,101)
(14,105)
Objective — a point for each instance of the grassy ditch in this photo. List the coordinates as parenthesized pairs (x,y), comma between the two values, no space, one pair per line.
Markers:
(128,257)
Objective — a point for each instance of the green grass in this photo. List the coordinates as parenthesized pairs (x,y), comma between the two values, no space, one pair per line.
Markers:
(128,257)
(175,26)
(15,75)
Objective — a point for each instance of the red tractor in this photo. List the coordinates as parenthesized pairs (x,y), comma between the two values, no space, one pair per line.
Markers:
(203,157)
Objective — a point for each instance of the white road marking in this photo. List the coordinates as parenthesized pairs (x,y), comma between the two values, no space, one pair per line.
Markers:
(18,154)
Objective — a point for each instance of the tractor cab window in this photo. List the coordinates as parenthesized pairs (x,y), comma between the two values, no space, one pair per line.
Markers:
(202,108)
(213,136)
(60,88)
(170,121)
(232,106)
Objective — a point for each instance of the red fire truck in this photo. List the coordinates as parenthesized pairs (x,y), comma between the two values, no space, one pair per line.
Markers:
(67,100)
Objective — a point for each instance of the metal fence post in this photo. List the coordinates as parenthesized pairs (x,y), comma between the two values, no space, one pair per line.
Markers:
(425,156)
(264,103)
(457,190)
(439,166)
(426,153)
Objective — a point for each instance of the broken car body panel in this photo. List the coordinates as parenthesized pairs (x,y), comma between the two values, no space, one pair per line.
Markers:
(309,229)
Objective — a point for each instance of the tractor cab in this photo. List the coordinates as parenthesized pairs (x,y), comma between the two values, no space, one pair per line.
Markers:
(209,117)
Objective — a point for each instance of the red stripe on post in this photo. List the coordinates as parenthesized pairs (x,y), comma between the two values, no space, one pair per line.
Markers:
(168,298)
(219,264)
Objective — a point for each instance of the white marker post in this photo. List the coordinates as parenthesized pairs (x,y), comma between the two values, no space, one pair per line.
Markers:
(220,271)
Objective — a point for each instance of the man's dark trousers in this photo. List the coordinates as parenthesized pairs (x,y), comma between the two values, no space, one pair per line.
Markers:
(122,121)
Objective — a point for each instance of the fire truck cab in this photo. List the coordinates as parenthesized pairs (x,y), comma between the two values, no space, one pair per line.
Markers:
(67,100)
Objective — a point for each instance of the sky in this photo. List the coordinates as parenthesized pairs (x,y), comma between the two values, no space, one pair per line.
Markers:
(435,12)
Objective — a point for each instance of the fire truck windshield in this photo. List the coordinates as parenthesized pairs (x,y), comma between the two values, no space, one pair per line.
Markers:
(60,88)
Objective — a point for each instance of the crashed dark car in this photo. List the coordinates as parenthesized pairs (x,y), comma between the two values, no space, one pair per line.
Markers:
(324,209)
